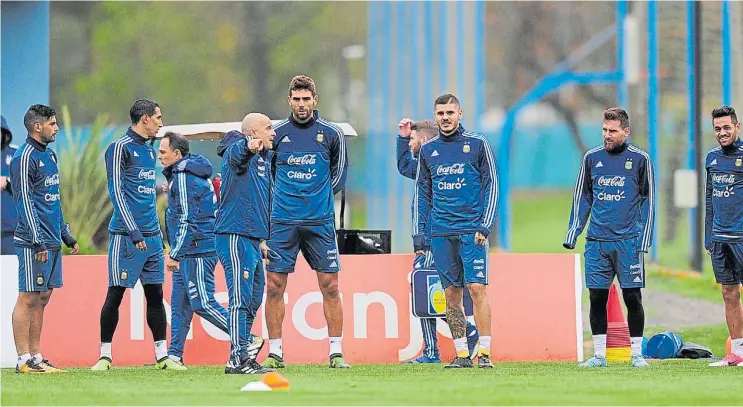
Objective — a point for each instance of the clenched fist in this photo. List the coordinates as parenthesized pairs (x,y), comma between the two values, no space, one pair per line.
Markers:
(405,127)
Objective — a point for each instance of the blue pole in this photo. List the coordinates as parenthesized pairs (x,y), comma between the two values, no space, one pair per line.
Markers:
(622,85)
(462,73)
(692,110)
(400,94)
(727,56)
(653,107)
(428,58)
(443,30)
(479,62)
(416,62)
(372,73)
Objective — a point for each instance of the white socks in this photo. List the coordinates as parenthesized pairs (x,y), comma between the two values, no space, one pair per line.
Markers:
(335,344)
(599,345)
(737,346)
(38,358)
(275,347)
(161,349)
(636,344)
(22,359)
(460,345)
(485,344)
(106,350)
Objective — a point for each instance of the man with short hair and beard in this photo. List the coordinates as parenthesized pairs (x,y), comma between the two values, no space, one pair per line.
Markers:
(311,167)
(723,231)
(135,249)
(615,187)
(39,235)
(457,193)
(410,139)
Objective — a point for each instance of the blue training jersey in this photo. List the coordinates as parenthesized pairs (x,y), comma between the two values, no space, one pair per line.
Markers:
(130,166)
(35,177)
(9,213)
(245,193)
(724,195)
(407,166)
(456,186)
(616,189)
(190,216)
(311,167)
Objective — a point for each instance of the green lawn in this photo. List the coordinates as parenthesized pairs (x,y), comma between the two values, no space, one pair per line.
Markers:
(665,383)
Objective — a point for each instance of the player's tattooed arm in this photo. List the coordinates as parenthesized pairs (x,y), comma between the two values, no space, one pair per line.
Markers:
(457,322)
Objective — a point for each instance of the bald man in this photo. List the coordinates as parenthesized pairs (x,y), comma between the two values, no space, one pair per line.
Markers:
(241,229)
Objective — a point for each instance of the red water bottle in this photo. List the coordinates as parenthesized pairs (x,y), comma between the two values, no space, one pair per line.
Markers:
(217,183)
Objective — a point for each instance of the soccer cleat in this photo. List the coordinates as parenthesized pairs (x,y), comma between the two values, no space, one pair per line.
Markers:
(424,359)
(255,347)
(459,363)
(274,362)
(483,362)
(730,360)
(31,367)
(594,361)
(49,367)
(639,361)
(167,363)
(473,340)
(337,362)
(103,364)
(249,366)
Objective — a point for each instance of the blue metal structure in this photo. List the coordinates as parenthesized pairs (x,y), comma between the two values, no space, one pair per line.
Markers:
(653,112)
(727,55)
(561,75)
(25,60)
(693,109)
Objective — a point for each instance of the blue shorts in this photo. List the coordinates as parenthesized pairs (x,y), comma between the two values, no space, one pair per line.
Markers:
(35,276)
(127,264)
(727,262)
(318,243)
(622,258)
(423,261)
(459,260)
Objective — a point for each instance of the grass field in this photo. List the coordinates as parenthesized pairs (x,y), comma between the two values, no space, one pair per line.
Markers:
(665,383)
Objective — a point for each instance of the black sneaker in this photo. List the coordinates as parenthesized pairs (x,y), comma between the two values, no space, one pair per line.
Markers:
(483,361)
(250,366)
(459,363)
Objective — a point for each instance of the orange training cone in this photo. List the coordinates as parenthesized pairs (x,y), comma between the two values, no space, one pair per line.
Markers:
(617,334)
(275,381)
(729,346)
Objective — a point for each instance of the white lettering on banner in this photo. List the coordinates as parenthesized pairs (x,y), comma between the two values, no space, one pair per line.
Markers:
(147,174)
(361,303)
(723,178)
(146,190)
(604,196)
(615,181)
(299,316)
(51,197)
(453,169)
(53,180)
(307,159)
(723,193)
(301,175)
(452,185)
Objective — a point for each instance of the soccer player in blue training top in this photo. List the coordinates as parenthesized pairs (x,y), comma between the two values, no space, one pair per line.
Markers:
(135,248)
(241,229)
(457,192)
(411,136)
(311,166)
(189,223)
(615,188)
(723,226)
(9,214)
(39,235)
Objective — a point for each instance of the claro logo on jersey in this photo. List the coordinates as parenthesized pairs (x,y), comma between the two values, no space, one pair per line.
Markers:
(453,169)
(611,181)
(147,174)
(307,159)
(52,180)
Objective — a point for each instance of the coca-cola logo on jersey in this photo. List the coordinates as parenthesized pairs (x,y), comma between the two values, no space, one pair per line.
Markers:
(453,169)
(147,174)
(723,178)
(307,159)
(615,181)
(52,180)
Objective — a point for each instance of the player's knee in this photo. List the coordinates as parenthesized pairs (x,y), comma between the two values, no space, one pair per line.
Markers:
(478,292)
(28,300)
(275,285)
(329,288)
(153,293)
(731,293)
(632,298)
(598,297)
(44,298)
(453,296)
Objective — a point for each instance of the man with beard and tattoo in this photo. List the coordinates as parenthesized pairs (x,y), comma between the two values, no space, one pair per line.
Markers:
(615,188)
(457,192)
(723,226)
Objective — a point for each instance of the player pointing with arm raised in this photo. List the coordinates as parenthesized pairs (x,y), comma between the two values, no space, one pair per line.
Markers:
(457,192)
(615,188)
